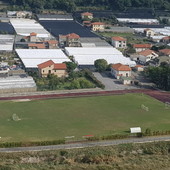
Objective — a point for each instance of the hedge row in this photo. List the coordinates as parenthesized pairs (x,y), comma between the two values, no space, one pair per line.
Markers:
(26,144)
(89,75)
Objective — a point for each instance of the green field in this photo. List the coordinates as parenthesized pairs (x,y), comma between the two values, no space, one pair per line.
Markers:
(57,118)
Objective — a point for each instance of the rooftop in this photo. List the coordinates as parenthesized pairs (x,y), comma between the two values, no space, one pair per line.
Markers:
(146,52)
(121,67)
(165,51)
(87,14)
(119,39)
(142,45)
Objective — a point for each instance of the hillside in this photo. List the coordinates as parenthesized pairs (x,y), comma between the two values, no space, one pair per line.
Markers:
(147,156)
(71,5)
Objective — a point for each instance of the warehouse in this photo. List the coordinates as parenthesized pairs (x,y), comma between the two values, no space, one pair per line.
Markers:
(86,56)
(32,57)
(6,43)
(26,26)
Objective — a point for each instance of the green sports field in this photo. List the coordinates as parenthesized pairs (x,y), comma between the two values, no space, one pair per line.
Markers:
(58,118)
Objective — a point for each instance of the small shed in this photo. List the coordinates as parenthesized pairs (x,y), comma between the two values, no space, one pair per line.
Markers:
(135,130)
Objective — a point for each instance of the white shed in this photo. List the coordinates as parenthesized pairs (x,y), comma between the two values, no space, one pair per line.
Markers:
(135,130)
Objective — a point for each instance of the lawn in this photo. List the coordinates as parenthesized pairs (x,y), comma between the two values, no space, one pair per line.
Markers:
(57,118)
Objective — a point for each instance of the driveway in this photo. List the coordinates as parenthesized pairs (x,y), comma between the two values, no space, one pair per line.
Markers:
(110,82)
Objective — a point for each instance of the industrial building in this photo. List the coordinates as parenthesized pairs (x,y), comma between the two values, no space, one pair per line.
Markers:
(33,57)
(86,56)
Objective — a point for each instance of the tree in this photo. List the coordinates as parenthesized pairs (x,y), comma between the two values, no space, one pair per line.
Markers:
(101,65)
(70,66)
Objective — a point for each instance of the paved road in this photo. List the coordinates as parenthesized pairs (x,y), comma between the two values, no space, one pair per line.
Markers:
(88,144)
(111,83)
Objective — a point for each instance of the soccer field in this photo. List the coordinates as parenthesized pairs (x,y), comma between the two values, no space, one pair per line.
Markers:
(102,115)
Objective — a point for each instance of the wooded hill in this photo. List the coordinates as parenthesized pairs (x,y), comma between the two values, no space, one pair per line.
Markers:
(70,5)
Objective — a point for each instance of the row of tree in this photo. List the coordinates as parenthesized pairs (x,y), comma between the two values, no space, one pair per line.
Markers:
(70,5)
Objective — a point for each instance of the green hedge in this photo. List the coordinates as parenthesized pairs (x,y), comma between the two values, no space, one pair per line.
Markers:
(25,144)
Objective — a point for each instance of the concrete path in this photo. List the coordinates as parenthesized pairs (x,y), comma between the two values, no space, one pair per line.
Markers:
(87,144)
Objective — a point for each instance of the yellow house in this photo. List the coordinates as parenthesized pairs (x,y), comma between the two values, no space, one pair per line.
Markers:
(98,26)
(49,67)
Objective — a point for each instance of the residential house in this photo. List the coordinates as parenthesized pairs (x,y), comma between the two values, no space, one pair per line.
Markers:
(149,32)
(120,70)
(141,47)
(98,26)
(49,67)
(36,46)
(166,40)
(87,15)
(119,42)
(87,23)
(139,68)
(147,55)
(164,52)
(73,40)
(70,40)
(52,44)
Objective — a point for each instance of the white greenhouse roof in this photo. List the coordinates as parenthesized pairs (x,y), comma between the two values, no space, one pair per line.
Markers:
(135,20)
(26,26)
(16,82)
(6,42)
(32,57)
(87,56)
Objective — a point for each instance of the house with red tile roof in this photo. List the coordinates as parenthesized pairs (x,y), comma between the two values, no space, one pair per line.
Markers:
(141,47)
(86,15)
(149,32)
(147,55)
(119,70)
(119,42)
(70,40)
(49,67)
(98,26)
(166,40)
(36,46)
(165,52)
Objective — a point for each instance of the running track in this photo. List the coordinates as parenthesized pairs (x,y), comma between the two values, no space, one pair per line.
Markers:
(159,95)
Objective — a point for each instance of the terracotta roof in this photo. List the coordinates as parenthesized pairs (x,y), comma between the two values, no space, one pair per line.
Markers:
(33,34)
(72,35)
(38,46)
(166,38)
(52,41)
(118,39)
(98,23)
(165,51)
(146,52)
(60,66)
(142,45)
(139,66)
(121,67)
(45,64)
(86,14)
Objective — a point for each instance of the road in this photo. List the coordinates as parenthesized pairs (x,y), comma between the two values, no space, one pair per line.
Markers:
(87,144)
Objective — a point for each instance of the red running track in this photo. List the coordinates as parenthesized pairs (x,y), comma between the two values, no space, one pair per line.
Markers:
(159,95)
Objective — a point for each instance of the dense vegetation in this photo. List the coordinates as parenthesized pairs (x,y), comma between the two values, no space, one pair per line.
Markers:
(128,156)
(160,75)
(70,5)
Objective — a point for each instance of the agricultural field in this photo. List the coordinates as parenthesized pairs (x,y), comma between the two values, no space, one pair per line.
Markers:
(55,119)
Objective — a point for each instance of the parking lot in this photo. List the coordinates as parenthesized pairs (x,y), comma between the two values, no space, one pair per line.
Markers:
(111,83)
